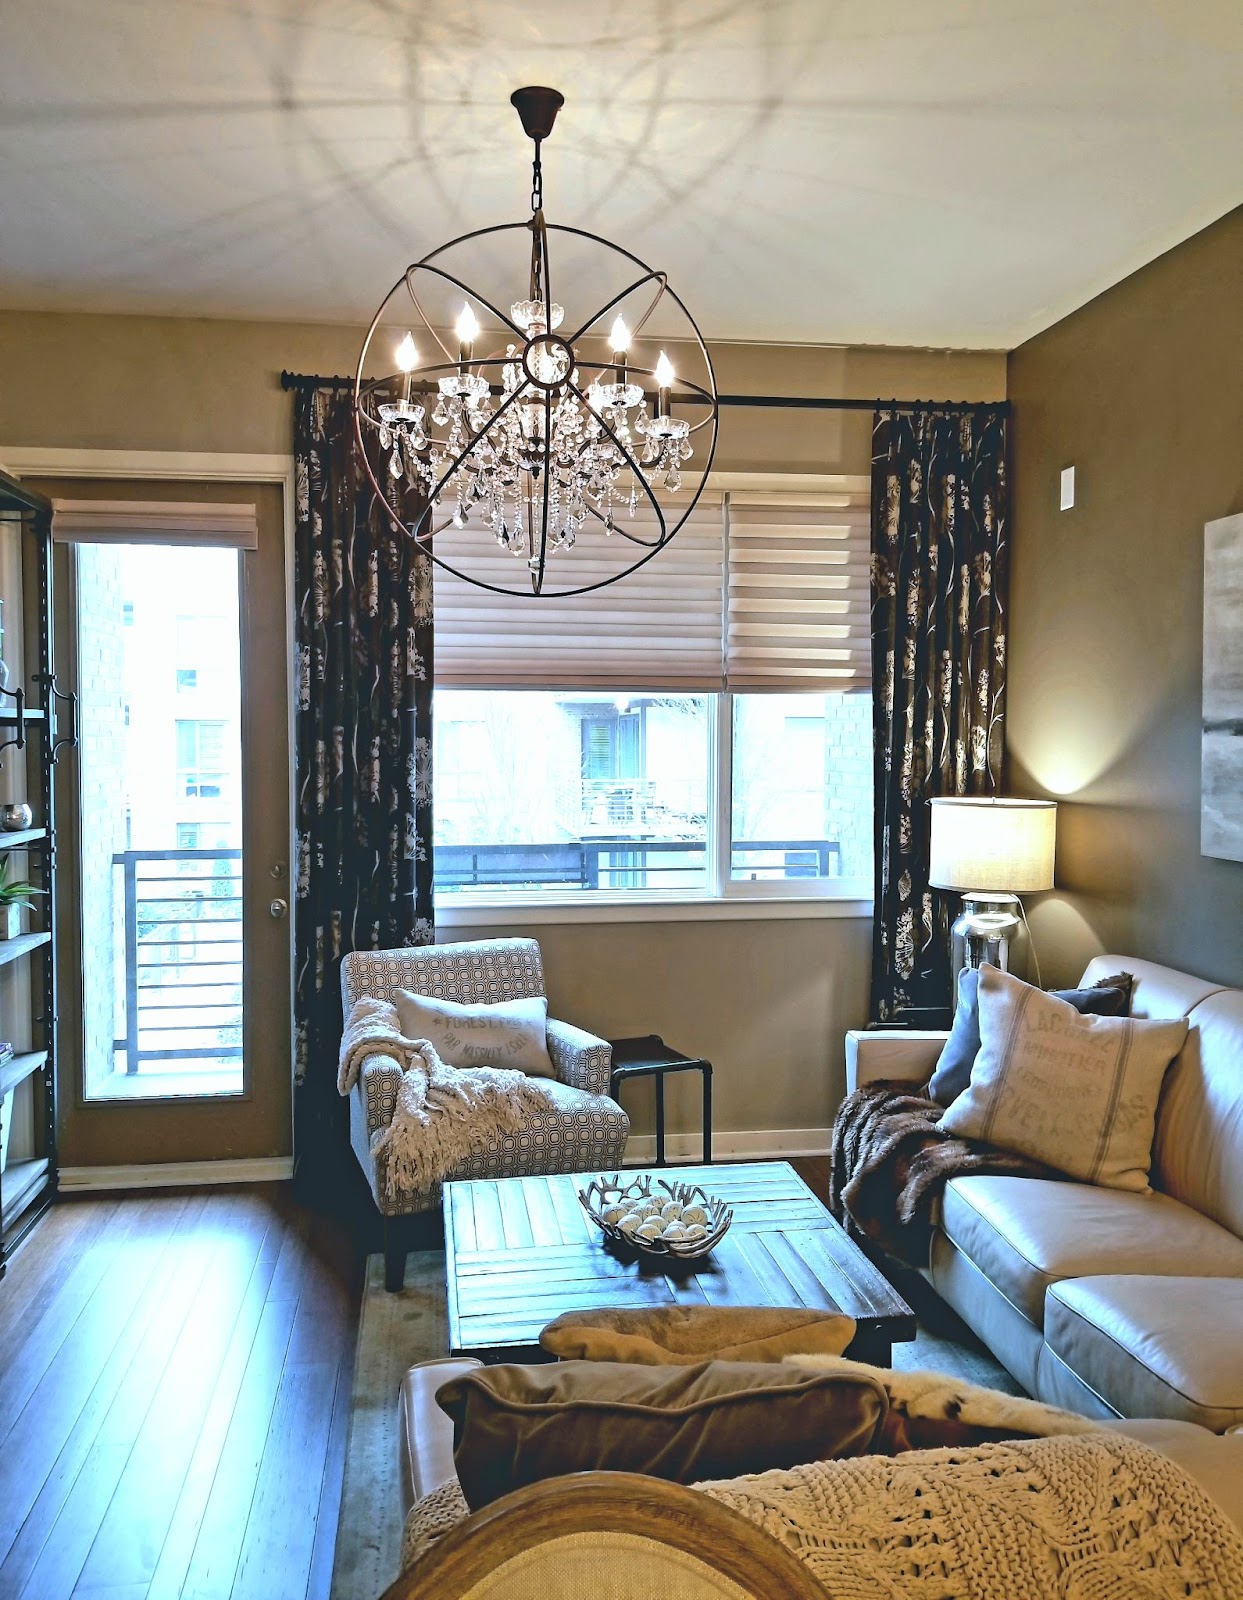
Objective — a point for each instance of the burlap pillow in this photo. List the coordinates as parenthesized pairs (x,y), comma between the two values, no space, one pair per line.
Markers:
(682,1335)
(511,1034)
(1078,1093)
(518,1425)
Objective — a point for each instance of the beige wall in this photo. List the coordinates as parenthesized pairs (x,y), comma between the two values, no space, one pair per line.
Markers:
(766,1001)
(1142,391)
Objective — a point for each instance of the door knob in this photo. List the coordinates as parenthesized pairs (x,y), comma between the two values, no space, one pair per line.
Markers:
(278,908)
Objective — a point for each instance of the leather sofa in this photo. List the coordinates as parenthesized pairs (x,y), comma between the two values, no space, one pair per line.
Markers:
(426,1442)
(1112,1304)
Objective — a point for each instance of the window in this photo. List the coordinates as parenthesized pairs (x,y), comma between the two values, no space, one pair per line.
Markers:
(201,760)
(540,791)
(187,678)
(802,787)
(704,729)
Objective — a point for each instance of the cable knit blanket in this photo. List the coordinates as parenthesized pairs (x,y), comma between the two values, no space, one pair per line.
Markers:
(443,1114)
(1087,1516)
(1090,1515)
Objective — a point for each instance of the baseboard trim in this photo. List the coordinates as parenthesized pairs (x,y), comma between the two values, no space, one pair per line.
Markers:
(176,1174)
(763,1144)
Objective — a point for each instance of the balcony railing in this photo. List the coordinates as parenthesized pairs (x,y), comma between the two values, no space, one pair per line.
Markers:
(182,968)
(608,806)
(624,863)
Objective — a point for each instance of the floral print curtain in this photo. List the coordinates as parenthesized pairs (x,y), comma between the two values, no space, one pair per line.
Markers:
(940,559)
(363,740)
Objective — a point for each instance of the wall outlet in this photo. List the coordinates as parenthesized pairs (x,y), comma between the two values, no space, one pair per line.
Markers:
(1068,488)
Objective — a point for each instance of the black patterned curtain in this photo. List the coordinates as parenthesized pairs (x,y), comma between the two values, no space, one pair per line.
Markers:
(940,559)
(363,877)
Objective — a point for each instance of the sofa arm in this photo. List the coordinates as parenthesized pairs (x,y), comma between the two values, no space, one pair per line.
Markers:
(378,1084)
(580,1059)
(907,1055)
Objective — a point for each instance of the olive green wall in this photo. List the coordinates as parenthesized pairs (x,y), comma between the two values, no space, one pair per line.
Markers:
(1142,392)
(767,1000)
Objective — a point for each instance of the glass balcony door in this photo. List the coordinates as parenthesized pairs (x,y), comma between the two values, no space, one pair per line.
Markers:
(176,1023)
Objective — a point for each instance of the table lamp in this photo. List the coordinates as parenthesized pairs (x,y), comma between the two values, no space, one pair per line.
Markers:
(991,851)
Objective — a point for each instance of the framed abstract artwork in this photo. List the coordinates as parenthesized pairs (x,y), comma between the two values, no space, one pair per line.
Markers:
(1221,746)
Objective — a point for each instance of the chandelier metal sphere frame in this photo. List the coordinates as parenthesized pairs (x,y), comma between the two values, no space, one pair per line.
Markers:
(531,441)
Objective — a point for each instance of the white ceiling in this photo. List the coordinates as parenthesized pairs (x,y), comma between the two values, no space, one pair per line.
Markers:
(930,172)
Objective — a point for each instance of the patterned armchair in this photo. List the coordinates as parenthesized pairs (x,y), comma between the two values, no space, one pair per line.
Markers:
(582,1129)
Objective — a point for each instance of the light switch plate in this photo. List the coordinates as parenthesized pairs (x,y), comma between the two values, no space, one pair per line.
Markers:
(1068,488)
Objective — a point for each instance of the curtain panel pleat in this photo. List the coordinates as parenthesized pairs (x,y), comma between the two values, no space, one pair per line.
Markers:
(363,747)
(940,563)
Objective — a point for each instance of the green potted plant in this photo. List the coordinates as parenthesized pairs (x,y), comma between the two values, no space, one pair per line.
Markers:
(13,896)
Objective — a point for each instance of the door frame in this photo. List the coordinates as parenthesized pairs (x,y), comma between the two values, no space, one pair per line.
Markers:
(23,461)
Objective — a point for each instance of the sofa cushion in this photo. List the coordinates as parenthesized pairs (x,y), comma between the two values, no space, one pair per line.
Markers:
(1154,1346)
(514,1425)
(1076,1092)
(1026,1233)
(1156,991)
(1108,998)
(1198,1155)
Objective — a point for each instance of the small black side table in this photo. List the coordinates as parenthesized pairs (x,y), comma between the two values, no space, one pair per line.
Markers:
(650,1057)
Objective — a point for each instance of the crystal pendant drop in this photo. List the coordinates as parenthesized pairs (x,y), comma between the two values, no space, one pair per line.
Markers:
(394,464)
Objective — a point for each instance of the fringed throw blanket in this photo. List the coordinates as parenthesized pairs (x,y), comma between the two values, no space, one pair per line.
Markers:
(890,1164)
(1097,1515)
(443,1113)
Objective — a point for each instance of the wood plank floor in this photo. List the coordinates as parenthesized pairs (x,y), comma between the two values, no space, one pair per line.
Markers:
(175,1376)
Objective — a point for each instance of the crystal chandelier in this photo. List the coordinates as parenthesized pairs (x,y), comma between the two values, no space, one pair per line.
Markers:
(526,438)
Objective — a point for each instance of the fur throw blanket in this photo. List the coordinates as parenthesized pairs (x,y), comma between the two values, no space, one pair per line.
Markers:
(890,1163)
(443,1114)
(932,1410)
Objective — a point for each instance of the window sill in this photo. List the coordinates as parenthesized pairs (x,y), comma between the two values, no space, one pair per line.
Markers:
(535,913)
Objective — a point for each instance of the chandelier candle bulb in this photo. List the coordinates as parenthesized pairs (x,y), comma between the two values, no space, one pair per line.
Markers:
(467,331)
(664,384)
(407,360)
(619,338)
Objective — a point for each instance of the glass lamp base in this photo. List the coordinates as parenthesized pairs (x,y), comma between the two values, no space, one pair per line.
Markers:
(982,933)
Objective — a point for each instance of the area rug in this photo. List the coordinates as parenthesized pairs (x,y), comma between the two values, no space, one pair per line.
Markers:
(394,1331)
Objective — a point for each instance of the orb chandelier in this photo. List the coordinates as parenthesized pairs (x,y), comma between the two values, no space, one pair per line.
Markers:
(571,443)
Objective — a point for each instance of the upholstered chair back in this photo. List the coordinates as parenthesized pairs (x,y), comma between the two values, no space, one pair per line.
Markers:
(480,972)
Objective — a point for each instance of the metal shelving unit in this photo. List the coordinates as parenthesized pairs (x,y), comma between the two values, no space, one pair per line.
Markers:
(30,734)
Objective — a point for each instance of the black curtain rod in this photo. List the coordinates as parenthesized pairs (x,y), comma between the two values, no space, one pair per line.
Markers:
(788,402)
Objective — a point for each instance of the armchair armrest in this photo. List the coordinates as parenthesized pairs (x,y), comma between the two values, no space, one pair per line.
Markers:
(907,1055)
(580,1059)
(378,1083)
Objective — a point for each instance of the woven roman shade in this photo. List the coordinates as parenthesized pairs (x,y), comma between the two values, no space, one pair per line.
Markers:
(799,602)
(759,590)
(232,526)
(658,629)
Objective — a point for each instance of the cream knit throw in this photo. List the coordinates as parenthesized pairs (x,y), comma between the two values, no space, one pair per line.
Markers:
(443,1114)
(1090,1516)
(1094,1516)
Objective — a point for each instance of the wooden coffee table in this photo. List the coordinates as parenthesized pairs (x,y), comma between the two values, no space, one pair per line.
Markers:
(520,1251)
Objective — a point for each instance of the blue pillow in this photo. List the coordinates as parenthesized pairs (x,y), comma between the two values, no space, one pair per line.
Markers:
(1108,998)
